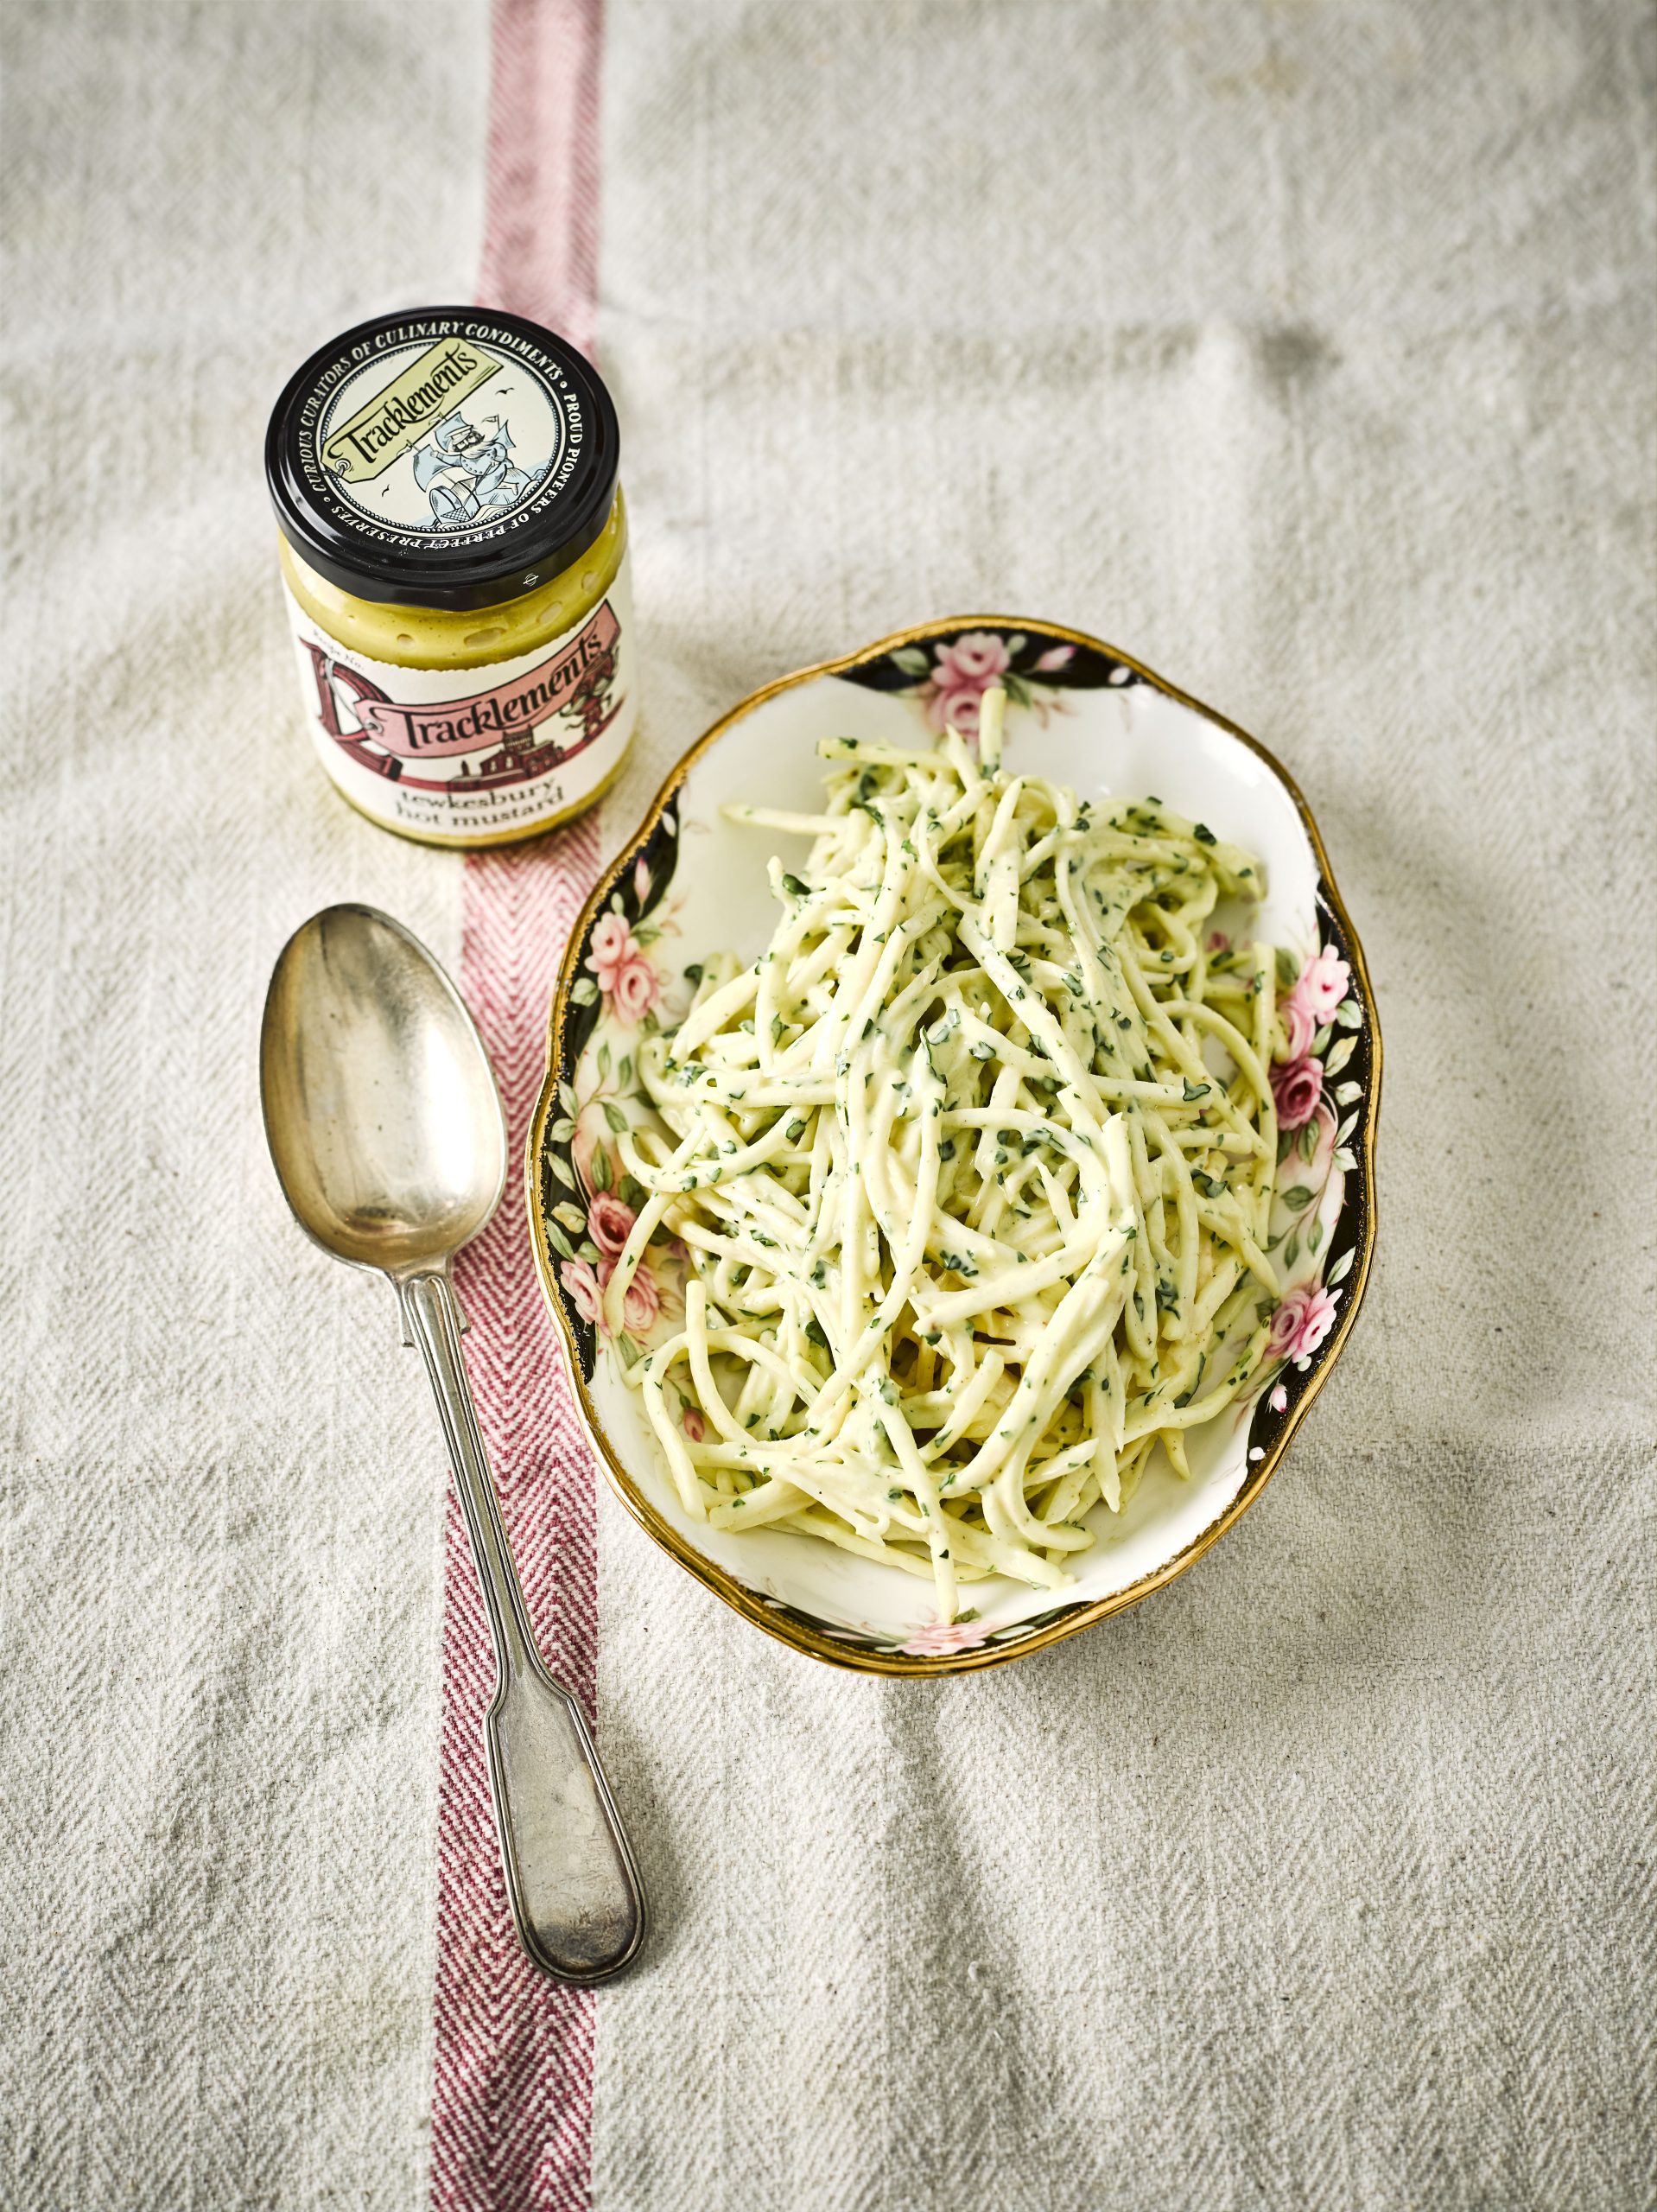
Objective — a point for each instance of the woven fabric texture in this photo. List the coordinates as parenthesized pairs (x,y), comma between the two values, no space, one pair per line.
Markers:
(223,1489)
(1306,351)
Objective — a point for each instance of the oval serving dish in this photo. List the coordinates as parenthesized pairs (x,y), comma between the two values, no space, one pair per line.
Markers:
(689,882)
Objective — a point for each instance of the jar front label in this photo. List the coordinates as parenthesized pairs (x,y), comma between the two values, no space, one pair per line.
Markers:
(476,753)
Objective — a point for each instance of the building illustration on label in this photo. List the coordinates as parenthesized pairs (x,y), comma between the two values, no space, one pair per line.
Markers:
(515,733)
(463,473)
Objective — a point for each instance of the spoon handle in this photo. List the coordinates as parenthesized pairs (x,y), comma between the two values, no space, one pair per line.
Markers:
(573,1888)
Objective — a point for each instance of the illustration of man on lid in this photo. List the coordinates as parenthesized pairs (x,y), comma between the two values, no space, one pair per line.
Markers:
(462,472)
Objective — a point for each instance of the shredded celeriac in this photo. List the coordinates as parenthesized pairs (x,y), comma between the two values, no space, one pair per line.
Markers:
(974,1167)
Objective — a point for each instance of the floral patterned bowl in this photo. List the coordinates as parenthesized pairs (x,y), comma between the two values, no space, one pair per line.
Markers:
(689,883)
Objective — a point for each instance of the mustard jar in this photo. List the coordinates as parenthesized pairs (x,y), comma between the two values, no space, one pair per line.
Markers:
(453,548)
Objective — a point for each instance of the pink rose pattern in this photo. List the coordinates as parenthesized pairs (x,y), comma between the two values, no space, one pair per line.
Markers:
(609,1222)
(587,1284)
(1321,985)
(962,672)
(1324,982)
(585,1291)
(629,988)
(625,976)
(636,991)
(935,1639)
(642,1304)
(1303,1317)
(1299,1026)
(1307,1310)
(613,943)
(949,688)
(1297,1085)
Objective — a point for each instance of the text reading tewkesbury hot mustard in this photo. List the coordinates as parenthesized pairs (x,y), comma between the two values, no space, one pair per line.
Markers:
(454,550)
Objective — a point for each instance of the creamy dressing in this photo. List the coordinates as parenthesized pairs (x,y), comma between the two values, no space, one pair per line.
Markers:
(973,1164)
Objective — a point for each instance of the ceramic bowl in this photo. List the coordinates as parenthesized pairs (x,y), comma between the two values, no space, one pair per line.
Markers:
(688,882)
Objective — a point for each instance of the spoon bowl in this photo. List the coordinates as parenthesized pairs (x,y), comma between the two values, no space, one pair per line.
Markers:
(382,1114)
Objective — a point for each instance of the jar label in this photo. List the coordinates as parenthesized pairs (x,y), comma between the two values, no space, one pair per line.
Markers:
(435,438)
(474,753)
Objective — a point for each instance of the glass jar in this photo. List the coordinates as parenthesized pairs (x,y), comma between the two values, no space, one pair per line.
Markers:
(454,558)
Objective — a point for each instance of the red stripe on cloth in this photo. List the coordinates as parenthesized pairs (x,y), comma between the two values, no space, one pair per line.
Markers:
(512,2077)
(541,232)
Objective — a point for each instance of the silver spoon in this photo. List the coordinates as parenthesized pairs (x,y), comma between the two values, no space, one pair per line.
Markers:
(386,1129)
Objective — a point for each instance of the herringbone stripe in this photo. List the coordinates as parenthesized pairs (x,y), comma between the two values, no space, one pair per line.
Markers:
(512,2092)
(512,2088)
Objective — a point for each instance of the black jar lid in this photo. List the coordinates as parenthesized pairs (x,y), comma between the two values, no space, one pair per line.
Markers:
(449,457)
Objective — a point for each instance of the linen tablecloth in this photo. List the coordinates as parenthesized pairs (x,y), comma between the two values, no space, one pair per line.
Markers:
(1304,350)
